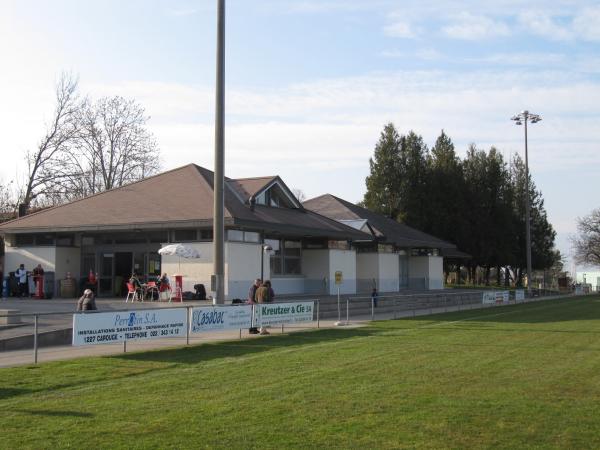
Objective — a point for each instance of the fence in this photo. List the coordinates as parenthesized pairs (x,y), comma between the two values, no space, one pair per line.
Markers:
(349,309)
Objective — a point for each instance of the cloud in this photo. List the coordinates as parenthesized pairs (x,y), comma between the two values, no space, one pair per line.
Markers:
(587,24)
(469,26)
(400,29)
(544,25)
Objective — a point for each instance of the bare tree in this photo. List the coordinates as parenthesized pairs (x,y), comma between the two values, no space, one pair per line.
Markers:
(60,132)
(299,193)
(112,148)
(587,243)
(8,202)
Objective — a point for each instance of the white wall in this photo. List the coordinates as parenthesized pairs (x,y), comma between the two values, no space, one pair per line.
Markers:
(345,261)
(68,259)
(194,271)
(315,267)
(31,257)
(426,272)
(242,267)
(389,272)
(367,271)
(436,272)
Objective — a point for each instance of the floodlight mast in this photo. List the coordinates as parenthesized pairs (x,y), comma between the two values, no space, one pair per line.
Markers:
(522,118)
(219,175)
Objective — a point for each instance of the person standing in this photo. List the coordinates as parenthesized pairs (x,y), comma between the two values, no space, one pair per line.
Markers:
(263,295)
(374,297)
(21,275)
(251,300)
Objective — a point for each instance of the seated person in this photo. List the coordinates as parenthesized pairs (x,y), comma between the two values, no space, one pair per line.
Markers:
(136,283)
(163,282)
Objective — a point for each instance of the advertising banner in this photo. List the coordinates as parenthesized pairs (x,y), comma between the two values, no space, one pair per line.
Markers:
(489,298)
(502,296)
(278,313)
(112,327)
(221,318)
(520,295)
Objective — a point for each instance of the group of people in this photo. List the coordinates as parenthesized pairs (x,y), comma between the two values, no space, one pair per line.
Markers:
(21,275)
(162,283)
(260,292)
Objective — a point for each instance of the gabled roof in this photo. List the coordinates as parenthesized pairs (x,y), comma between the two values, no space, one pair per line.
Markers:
(181,197)
(393,232)
(247,187)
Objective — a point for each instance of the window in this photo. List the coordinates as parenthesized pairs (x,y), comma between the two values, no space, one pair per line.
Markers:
(89,263)
(44,239)
(425,252)
(243,236)
(65,240)
(339,245)
(275,196)
(25,239)
(158,237)
(206,235)
(130,238)
(185,235)
(153,264)
(286,258)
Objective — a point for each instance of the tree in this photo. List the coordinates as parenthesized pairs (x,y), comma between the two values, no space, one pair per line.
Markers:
(587,243)
(383,188)
(59,134)
(413,180)
(543,253)
(111,148)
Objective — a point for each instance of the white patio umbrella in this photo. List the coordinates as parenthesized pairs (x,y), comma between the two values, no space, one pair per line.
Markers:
(180,250)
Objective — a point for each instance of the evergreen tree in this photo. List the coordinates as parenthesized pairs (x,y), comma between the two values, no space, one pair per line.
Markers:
(383,184)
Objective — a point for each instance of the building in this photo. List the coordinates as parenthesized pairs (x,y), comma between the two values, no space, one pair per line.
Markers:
(268,232)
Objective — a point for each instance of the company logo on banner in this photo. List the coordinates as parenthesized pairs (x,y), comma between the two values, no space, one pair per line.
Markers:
(520,294)
(489,297)
(221,318)
(108,328)
(502,296)
(278,313)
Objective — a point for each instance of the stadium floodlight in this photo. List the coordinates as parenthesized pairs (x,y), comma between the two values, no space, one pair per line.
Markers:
(522,118)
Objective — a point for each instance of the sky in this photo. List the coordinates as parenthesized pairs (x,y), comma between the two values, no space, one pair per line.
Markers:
(310,84)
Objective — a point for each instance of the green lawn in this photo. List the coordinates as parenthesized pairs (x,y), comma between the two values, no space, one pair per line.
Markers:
(525,376)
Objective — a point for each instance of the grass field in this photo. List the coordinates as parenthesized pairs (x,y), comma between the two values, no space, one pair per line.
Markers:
(525,376)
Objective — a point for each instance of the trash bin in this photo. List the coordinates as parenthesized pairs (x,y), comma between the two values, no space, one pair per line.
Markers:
(68,288)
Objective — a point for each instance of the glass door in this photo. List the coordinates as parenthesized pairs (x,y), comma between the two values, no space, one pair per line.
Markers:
(107,263)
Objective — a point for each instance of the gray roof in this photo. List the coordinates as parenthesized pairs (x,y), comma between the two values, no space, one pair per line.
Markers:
(181,197)
(392,231)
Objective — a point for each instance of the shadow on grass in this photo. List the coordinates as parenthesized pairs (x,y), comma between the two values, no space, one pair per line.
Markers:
(54,413)
(13,392)
(228,349)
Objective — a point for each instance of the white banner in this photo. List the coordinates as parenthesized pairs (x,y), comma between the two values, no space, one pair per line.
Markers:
(502,296)
(520,295)
(221,318)
(278,313)
(489,298)
(111,327)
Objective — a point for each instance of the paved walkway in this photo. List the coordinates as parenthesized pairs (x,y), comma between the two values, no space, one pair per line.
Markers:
(26,357)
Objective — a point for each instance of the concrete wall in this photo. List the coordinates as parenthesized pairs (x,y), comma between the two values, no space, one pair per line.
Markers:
(344,261)
(426,272)
(242,267)
(31,257)
(315,267)
(194,271)
(68,259)
(436,272)
(389,272)
(367,271)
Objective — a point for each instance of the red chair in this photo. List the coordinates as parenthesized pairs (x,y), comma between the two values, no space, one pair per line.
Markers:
(152,288)
(133,293)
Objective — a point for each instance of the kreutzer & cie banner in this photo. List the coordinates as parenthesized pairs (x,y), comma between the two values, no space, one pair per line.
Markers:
(278,313)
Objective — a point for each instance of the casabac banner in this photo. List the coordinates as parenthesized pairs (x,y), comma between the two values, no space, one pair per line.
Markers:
(278,313)
(111,327)
(221,318)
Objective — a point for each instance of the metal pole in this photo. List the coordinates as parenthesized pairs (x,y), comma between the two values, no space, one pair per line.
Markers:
(318,318)
(35,339)
(124,346)
(527,213)
(339,312)
(347,311)
(372,308)
(187,327)
(219,175)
